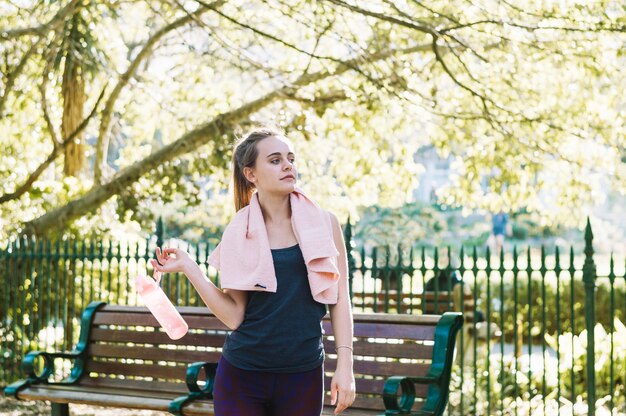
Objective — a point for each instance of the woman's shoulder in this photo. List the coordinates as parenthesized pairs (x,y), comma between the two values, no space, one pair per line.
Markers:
(330,214)
(334,221)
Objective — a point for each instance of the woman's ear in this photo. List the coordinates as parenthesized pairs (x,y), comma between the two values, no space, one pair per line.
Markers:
(248,173)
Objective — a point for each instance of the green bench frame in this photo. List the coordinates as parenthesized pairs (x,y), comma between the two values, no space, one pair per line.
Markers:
(430,337)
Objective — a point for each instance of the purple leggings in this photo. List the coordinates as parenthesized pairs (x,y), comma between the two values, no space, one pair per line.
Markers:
(258,393)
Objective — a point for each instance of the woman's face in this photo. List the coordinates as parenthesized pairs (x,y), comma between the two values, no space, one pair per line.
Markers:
(275,169)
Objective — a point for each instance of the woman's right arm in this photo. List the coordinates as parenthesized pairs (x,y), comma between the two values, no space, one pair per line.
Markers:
(228,305)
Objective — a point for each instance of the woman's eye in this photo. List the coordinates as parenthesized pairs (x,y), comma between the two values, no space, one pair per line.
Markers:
(274,161)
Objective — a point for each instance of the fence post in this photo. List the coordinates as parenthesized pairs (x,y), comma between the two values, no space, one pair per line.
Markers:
(589,276)
(349,247)
(159,232)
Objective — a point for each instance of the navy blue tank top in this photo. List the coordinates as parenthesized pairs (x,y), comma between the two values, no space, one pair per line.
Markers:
(282,331)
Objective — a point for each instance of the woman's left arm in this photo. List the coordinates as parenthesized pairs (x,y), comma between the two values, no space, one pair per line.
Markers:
(342,386)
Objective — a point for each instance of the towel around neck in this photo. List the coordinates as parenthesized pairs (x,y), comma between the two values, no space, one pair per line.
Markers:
(244,260)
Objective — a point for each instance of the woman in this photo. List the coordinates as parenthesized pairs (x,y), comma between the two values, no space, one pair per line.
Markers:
(281,260)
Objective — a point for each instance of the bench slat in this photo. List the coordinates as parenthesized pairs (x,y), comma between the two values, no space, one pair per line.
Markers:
(146,319)
(369,386)
(369,402)
(137,370)
(383,369)
(154,337)
(143,399)
(182,354)
(176,389)
(392,350)
(394,331)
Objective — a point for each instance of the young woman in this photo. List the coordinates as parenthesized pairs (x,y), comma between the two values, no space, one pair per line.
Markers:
(282,259)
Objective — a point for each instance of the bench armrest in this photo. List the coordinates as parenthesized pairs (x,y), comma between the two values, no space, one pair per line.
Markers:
(195,391)
(78,355)
(28,365)
(192,378)
(393,406)
(437,378)
(403,406)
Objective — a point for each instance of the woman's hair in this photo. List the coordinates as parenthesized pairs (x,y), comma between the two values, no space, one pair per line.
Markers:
(245,155)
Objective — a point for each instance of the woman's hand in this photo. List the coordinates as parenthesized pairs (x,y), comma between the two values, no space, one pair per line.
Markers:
(342,389)
(172,260)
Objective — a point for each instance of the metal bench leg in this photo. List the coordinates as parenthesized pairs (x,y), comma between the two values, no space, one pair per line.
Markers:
(60,409)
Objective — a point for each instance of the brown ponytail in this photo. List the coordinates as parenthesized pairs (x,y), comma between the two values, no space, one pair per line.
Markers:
(245,155)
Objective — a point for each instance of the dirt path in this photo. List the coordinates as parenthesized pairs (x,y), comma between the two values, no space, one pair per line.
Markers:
(10,407)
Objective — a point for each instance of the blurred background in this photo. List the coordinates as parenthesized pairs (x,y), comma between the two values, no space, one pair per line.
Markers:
(416,123)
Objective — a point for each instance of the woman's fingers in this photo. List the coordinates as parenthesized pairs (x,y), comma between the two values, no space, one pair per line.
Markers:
(159,255)
(344,399)
(339,400)
(341,405)
(164,255)
(156,265)
(166,260)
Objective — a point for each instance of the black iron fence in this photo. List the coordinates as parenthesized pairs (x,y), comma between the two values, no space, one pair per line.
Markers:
(544,331)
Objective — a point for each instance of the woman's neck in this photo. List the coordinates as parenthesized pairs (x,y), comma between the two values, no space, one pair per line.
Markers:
(275,209)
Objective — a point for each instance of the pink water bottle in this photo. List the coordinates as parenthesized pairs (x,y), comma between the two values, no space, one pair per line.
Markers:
(160,305)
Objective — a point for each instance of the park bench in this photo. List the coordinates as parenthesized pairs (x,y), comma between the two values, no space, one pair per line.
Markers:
(124,359)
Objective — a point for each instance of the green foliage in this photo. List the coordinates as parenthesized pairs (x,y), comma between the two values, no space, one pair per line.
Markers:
(530,225)
(529,113)
(520,231)
(380,226)
(511,385)
(430,226)
(416,224)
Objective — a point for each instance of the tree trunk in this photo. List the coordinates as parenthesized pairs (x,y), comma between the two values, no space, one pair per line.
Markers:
(73,90)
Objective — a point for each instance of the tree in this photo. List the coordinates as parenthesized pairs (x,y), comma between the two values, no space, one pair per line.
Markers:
(523,95)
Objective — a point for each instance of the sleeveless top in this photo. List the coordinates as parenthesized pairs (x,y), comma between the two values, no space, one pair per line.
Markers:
(281,332)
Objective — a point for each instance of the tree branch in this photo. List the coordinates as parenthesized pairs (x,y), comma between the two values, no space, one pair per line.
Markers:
(435,34)
(274,38)
(56,151)
(57,19)
(43,90)
(227,48)
(535,28)
(107,113)
(435,12)
(12,75)
(422,28)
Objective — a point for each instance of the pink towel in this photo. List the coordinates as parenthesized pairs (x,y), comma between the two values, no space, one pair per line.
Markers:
(244,259)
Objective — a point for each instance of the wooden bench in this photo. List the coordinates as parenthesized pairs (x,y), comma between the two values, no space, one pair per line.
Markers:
(124,359)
